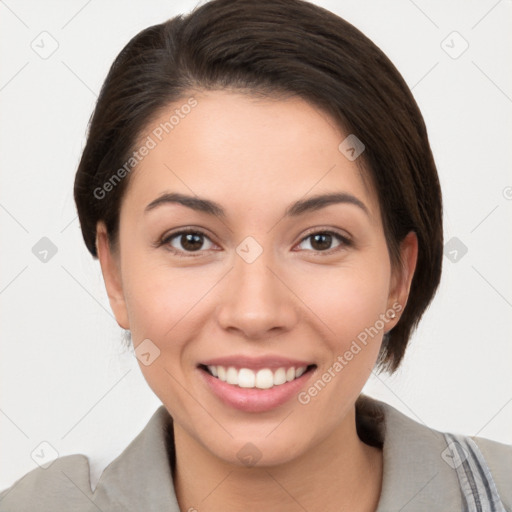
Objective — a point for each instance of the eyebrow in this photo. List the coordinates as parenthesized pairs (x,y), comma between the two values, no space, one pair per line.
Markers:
(298,208)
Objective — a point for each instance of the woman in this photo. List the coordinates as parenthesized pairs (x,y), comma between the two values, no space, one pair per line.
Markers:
(259,189)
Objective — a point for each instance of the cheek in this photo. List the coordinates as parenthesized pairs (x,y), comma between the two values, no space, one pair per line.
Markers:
(157,304)
(351,305)
(161,310)
(166,305)
(156,297)
(347,299)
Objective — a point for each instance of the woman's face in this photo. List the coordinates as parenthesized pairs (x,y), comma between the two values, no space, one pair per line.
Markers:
(270,283)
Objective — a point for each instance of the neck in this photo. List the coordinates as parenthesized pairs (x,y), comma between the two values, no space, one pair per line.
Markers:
(340,473)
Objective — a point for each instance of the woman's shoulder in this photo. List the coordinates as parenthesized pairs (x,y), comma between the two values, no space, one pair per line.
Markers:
(499,454)
(436,467)
(139,478)
(62,485)
(419,461)
(498,457)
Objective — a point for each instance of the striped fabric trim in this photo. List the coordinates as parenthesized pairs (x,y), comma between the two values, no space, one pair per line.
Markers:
(479,493)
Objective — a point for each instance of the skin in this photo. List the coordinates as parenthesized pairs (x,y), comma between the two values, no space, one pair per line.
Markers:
(255,157)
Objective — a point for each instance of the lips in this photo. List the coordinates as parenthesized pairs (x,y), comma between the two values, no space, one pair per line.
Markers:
(255,384)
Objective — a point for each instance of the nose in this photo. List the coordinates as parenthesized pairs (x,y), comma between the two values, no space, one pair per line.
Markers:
(256,301)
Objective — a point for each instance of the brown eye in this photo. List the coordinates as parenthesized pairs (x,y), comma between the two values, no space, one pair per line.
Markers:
(191,241)
(322,241)
(187,241)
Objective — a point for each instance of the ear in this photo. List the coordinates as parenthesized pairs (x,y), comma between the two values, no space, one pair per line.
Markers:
(402,276)
(110,268)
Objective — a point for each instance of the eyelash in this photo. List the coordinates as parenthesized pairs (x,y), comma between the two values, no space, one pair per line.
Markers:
(344,242)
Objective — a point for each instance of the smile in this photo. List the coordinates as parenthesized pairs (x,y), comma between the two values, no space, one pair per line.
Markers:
(264,378)
(255,384)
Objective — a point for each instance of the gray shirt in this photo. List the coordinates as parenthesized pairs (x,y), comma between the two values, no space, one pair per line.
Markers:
(418,475)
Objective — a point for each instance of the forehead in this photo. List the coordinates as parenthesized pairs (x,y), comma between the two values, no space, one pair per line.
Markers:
(244,150)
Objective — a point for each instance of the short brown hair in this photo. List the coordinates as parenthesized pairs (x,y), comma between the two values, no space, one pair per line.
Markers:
(274,48)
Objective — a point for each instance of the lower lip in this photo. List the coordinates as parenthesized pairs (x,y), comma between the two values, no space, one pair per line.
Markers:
(254,399)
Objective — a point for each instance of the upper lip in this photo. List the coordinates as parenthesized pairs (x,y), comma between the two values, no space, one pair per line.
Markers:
(256,363)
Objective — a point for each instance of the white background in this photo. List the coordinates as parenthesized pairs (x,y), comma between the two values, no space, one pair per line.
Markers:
(65,377)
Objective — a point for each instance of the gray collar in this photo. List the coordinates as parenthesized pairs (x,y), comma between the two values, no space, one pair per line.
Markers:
(416,478)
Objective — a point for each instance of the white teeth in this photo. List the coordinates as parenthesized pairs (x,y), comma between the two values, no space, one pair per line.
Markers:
(299,372)
(279,377)
(246,378)
(262,379)
(221,373)
(232,376)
